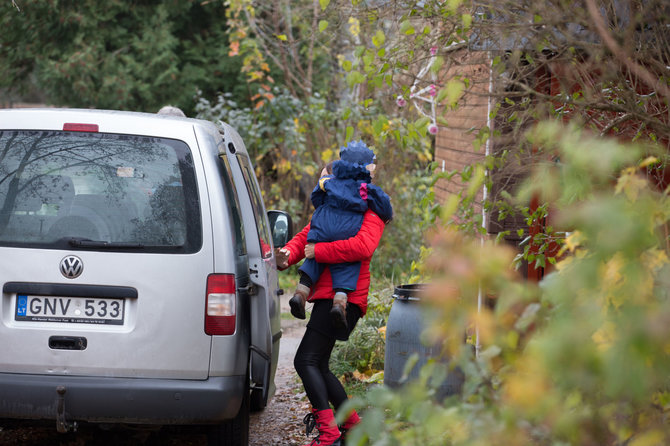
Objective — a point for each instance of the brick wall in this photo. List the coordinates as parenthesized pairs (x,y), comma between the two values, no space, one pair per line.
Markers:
(454,144)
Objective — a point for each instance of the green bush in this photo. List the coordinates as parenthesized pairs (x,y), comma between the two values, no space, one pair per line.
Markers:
(364,351)
(581,359)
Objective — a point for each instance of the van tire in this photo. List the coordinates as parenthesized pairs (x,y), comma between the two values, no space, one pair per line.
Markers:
(233,432)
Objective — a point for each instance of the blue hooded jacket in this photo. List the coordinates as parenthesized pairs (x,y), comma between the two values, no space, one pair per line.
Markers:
(342,198)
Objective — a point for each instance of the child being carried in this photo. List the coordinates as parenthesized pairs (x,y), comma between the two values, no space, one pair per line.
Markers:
(340,199)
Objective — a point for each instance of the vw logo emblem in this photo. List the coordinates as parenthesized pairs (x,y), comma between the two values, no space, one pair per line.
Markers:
(71,267)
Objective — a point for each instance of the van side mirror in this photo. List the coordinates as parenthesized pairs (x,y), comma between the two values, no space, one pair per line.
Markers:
(281,227)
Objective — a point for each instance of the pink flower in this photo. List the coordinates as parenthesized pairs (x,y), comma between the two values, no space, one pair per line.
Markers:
(433,51)
(433,90)
(400,101)
(432,129)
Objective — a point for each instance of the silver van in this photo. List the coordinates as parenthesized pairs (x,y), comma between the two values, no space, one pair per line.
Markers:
(137,272)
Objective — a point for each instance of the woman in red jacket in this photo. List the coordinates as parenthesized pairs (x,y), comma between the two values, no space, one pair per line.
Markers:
(311,359)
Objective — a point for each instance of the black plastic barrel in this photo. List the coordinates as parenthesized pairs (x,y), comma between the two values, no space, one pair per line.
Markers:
(403,338)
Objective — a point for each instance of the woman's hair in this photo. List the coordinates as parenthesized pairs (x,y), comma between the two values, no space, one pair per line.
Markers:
(171,111)
(329,168)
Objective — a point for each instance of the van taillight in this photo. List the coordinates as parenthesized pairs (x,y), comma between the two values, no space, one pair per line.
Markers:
(77,127)
(220,305)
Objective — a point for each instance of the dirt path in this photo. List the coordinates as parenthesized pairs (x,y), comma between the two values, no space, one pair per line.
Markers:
(280,424)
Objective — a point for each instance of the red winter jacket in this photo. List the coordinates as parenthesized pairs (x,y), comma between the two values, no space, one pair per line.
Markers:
(358,248)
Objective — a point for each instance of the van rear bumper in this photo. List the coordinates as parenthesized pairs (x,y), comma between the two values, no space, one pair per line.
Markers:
(121,400)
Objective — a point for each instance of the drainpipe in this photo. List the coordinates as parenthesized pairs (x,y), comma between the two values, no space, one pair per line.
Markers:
(487,152)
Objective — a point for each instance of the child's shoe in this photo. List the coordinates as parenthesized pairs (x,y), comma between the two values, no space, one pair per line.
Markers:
(338,313)
(298,301)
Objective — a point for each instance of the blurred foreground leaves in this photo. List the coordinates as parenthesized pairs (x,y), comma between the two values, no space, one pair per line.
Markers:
(583,358)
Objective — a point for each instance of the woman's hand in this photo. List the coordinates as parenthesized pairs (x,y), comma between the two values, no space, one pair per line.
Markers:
(281,257)
(309,250)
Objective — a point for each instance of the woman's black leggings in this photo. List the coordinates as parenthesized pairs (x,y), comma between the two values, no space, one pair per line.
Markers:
(311,363)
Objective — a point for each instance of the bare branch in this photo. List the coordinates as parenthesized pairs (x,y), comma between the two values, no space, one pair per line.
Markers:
(618,52)
(615,122)
(310,51)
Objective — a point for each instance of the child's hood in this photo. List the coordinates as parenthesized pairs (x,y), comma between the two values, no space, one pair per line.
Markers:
(346,170)
(356,152)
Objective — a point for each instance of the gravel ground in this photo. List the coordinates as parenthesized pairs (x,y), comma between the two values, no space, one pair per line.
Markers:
(280,424)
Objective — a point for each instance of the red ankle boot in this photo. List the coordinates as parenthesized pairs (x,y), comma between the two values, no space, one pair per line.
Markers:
(324,420)
(352,421)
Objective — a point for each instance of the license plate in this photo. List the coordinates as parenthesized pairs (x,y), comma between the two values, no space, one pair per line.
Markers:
(71,310)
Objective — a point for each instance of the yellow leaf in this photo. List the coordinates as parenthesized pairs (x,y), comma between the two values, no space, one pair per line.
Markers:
(631,184)
(467,20)
(573,240)
(654,259)
(649,438)
(354,26)
(450,207)
(284,166)
(476,181)
(485,325)
(282,37)
(379,38)
(522,390)
(649,161)
(605,336)
(327,155)
(454,91)
(612,270)
(309,170)
(454,4)
(376,377)
(360,376)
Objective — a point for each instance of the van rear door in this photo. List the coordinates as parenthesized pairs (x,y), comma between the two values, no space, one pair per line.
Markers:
(103,256)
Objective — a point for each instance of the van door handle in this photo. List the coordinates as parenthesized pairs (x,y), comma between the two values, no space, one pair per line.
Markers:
(67,343)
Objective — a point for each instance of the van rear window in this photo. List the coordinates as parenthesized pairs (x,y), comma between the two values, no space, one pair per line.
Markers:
(67,190)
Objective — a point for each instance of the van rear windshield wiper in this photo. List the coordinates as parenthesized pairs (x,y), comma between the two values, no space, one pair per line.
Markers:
(102,244)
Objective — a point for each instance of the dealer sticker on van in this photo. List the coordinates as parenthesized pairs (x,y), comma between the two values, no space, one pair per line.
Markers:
(74,310)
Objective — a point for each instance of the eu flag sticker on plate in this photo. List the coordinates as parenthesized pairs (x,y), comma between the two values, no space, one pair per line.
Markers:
(21,305)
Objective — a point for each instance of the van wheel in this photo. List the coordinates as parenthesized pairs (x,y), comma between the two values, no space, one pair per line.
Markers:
(233,432)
